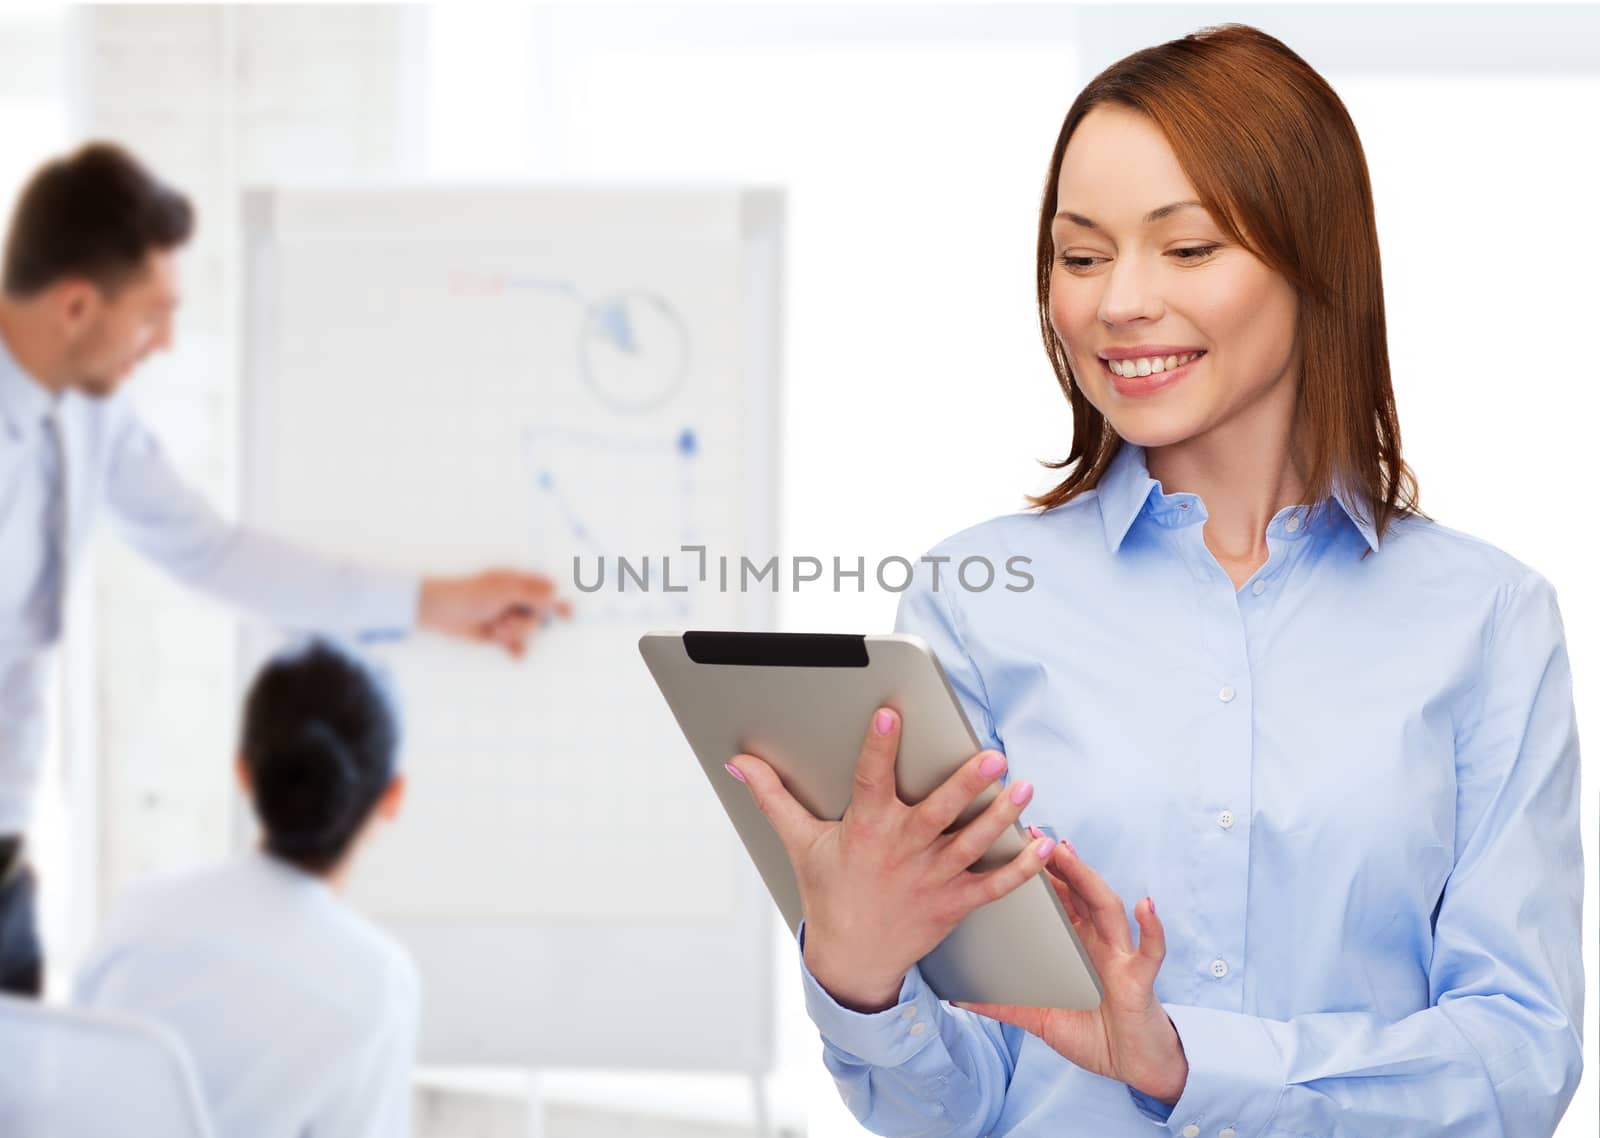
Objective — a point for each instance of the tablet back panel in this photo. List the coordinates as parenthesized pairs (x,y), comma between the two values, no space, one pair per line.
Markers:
(803,703)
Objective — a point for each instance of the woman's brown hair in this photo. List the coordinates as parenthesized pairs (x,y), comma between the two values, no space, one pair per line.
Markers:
(1277,162)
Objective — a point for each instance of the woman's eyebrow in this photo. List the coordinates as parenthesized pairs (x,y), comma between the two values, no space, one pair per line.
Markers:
(1150,218)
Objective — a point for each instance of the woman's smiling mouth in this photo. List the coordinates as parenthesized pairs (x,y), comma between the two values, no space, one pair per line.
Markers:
(1143,371)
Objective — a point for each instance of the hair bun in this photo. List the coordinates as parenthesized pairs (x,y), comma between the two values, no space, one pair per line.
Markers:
(319,739)
(308,788)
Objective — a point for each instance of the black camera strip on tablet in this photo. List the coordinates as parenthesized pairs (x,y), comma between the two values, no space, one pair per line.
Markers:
(777,649)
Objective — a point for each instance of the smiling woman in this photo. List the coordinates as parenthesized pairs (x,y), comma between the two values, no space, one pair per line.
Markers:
(1331,738)
(1262,238)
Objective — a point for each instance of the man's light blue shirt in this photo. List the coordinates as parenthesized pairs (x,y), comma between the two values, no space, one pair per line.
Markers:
(110,463)
(1350,786)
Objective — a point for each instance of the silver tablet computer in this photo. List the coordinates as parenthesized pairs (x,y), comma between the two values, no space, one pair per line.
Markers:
(802,702)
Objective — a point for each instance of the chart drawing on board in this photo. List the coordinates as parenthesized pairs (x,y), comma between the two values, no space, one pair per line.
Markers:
(603,499)
(632,348)
(531,375)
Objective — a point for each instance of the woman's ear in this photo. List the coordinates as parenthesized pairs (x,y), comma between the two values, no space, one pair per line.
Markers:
(241,773)
(394,796)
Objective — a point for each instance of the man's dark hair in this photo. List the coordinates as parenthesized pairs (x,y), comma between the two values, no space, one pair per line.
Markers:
(95,213)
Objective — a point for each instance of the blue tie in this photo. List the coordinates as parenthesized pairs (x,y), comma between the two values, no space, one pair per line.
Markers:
(50,587)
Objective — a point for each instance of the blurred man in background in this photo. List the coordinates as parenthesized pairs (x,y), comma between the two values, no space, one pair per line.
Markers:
(88,292)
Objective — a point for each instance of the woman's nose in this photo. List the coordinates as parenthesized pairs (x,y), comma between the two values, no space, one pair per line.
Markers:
(1130,295)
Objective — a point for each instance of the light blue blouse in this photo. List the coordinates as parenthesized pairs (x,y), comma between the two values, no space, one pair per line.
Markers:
(1350,785)
(301,1016)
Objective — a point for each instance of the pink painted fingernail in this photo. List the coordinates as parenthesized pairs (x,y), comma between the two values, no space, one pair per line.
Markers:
(1152,905)
(884,723)
(735,772)
(1021,792)
(1045,848)
(992,766)
(1035,832)
(1069,847)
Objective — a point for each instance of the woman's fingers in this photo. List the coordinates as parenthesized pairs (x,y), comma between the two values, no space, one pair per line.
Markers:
(872,791)
(1152,936)
(796,826)
(1075,913)
(994,884)
(935,813)
(1099,901)
(962,849)
(1063,891)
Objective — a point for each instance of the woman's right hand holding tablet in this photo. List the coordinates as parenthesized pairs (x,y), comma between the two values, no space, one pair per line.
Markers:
(881,887)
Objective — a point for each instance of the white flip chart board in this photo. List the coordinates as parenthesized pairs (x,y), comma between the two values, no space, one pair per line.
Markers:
(450,378)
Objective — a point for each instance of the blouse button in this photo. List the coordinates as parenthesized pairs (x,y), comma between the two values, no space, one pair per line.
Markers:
(1292,524)
(1226,694)
(1225,1132)
(1259,587)
(919,1027)
(1191,1131)
(1219,968)
(1225,819)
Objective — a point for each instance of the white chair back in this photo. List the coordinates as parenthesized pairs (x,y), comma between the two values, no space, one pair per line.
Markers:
(75,1073)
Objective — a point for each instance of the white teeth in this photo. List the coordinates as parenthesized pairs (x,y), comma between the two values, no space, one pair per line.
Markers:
(1148,365)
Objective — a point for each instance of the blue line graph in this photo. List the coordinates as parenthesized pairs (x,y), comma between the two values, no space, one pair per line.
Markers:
(632,348)
(600,497)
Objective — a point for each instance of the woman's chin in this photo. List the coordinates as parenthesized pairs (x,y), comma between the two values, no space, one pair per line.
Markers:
(1152,427)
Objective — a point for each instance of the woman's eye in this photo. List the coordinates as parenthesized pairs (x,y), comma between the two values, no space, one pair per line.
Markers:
(1189,256)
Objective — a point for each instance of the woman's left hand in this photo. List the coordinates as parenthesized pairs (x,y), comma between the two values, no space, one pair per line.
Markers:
(1129,1036)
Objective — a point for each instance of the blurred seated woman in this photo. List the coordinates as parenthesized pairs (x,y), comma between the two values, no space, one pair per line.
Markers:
(300,1014)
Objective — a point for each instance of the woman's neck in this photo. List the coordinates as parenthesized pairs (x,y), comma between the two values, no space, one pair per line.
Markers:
(337,879)
(1244,472)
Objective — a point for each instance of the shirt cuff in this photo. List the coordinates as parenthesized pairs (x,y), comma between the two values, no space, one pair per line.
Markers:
(1152,1108)
(880,1039)
(388,606)
(1235,1080)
